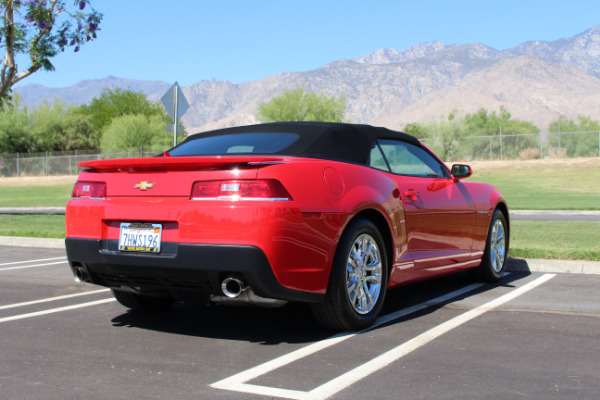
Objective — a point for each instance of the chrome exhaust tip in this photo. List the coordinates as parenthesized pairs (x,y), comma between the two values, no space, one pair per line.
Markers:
(238,293)
(232,287)
(80,275)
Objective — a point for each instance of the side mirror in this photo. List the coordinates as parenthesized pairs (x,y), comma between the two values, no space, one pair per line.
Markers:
(460,171)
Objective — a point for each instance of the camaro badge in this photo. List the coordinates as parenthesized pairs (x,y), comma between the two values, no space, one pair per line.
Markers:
(144,185)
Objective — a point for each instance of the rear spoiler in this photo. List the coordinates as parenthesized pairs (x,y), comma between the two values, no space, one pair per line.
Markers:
(184,162)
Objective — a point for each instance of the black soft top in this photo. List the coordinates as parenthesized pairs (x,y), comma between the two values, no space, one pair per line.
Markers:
(326,140)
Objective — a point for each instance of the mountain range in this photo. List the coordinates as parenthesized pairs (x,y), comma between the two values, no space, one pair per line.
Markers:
(535,81)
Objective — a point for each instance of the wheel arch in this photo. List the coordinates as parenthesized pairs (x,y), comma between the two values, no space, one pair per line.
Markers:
(338,311)
(502,207)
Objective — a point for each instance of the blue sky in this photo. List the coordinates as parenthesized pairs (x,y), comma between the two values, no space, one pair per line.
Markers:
(240,41)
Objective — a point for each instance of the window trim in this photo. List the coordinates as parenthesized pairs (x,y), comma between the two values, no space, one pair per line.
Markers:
(383,157)
(444,168)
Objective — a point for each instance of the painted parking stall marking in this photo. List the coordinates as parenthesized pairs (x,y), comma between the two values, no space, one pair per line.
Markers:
(44,262)
(56,310)
(49,299)
(238,382)
(10,266)
(33,261)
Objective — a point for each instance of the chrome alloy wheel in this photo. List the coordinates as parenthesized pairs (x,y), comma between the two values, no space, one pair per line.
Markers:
(363,274)
(497,246)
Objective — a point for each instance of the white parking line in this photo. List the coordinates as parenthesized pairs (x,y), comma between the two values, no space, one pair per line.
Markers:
(55,310)
(32,261)
(32,266)
(237,382)
(66,296)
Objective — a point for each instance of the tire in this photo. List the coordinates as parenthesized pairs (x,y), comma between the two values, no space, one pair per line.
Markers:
(358,280)
(141,302)
(493,264)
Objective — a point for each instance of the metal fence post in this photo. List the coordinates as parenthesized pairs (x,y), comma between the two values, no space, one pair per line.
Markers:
(501,155)
(559,139)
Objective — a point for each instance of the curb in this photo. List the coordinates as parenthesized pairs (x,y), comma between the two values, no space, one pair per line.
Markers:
(554,266)
(566,213)
(32,210)
(41,243)
(514,264)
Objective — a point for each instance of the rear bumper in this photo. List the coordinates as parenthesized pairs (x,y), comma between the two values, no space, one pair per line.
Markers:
(186,271)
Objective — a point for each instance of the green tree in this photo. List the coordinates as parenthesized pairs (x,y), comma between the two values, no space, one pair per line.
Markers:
(297,105)
(442,136)
(509,136)
(575,145)
(78,133)
(130,132)
(15,135)
(47,127)
(416,129)
(453,138)
(40,29)
(62,127)
(113,103)
(58,126)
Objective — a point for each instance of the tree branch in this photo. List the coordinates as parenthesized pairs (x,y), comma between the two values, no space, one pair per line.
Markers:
(33,56)
(9,69)
(32,34)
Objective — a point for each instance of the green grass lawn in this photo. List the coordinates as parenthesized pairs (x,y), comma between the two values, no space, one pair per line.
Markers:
(560,240)
(546,186)
(31,196)
(27,225)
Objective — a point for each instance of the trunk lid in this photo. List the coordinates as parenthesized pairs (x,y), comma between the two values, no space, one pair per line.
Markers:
(169,176)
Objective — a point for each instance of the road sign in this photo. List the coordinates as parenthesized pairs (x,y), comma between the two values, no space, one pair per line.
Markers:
(175,102)
(176,105)
(180,129)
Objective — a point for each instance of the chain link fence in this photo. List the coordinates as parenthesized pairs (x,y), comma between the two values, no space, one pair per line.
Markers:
(58,162)
(497,147)
(518,147)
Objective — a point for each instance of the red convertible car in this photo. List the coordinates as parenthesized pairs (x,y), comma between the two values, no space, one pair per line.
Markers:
(329,214)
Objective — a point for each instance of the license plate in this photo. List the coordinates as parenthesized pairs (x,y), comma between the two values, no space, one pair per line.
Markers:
(140,237)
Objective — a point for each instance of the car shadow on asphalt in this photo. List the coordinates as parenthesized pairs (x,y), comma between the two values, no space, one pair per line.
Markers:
(293,323)
(423,292)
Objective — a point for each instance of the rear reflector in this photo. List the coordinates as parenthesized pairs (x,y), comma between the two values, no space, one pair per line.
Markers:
(255,190)
(92,190)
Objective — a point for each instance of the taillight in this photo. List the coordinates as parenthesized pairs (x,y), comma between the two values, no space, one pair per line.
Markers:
(255,190)
(92,190)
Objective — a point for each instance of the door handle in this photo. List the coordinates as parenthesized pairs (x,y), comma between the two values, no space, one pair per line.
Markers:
(412,194)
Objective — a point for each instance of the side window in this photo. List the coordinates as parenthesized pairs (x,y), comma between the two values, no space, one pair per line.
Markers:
(376,159)
(407,159)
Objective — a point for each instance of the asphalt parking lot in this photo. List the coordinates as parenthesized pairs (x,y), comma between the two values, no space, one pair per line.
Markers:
(535,335)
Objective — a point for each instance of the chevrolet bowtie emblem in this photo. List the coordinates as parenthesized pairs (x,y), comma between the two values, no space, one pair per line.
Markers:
(144,185)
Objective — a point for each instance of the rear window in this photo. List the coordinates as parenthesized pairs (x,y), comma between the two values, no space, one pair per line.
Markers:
(237,143)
